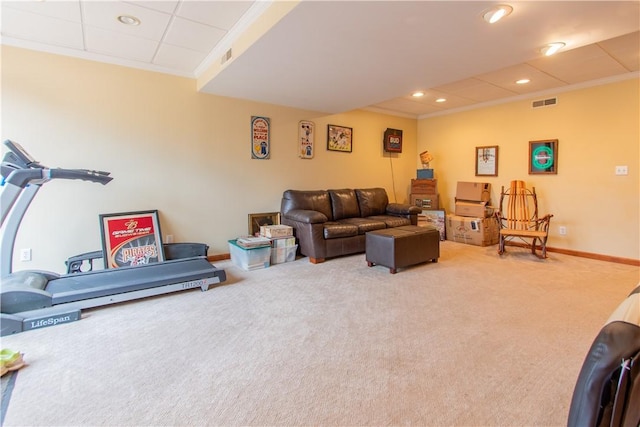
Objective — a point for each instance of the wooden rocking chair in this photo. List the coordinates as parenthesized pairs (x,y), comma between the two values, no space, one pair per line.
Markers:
(518,219)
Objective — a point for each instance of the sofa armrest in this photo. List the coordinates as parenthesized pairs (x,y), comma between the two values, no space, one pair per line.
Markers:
(306,216)
(402,209)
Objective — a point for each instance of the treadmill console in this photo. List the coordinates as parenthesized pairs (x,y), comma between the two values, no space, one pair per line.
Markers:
(22,155)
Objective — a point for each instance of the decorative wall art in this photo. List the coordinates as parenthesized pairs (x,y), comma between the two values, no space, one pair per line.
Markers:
(487,161)
(260,143)
(306,137)
(131,239)
(393,140)
(339,138)
(543,157)
(258,219)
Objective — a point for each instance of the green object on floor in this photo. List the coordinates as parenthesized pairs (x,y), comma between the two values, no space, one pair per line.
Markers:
(10,360)
(8,356)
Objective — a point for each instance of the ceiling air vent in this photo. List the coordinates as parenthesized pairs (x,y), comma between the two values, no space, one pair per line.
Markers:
(544,102)
(225,57)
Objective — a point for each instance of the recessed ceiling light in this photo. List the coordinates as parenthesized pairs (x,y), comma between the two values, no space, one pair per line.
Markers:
(496,13)
(441,99)
(522,81)
(128,20)
(417,94)
(552,48)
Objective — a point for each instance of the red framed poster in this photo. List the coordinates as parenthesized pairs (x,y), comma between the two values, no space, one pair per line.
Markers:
(131,239)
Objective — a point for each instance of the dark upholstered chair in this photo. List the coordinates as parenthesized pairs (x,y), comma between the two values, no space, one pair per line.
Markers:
(607,392)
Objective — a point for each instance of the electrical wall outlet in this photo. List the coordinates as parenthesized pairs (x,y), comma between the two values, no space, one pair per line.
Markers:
(169,238)
(25,254)
(622,170)
(562,230)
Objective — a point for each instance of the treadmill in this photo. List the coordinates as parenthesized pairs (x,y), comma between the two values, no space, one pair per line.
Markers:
(36,299)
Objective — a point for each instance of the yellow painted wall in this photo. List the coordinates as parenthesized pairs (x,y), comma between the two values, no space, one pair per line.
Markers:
(170,148)
(598,128)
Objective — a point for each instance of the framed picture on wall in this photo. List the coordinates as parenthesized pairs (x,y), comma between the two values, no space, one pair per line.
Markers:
(339,138)
(543,157)
(487,160)
(258,219)
(131,239)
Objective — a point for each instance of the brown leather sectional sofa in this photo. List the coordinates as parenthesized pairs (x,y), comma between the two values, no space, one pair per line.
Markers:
(331,223)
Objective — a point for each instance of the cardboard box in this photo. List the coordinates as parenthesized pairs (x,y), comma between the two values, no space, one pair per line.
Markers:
(283,242)
(284,254)
(249,258)
(473,209)
(272,231)
(474,191)
(473,231)
(424,186)
(425,201)
(424,174)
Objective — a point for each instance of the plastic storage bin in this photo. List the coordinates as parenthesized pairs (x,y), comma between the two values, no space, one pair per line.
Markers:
(249,258)
(284,254)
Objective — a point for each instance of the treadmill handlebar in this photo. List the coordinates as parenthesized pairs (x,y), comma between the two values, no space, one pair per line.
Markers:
(84,174)
(22,177)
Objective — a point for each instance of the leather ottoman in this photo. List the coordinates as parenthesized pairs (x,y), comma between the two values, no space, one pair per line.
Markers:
(400,247)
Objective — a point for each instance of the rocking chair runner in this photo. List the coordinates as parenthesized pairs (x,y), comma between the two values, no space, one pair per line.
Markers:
(518,218)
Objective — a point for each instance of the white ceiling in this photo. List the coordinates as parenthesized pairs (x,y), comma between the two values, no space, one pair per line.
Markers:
(335,56)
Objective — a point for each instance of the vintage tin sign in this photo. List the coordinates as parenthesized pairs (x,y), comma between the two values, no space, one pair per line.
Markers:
(306,135)
(260,148)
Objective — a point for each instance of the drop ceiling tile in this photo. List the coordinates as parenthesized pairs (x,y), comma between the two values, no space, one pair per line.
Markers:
(34,27)
(585,63)
(67,10)
(475,89)
(120,45)
(178,58)
(193,35)
(452,100)
(625,49)
(406,106)
(160,5)
(506,78)
(104,14)
(220,14)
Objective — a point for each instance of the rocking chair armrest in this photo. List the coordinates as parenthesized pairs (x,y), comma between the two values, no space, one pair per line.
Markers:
(544,222)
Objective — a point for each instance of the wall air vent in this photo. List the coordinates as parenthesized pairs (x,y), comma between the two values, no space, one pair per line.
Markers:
(544,102)
(227,56)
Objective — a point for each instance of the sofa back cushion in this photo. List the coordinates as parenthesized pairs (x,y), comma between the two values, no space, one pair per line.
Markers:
(372,201)
(345,204)
(317,200)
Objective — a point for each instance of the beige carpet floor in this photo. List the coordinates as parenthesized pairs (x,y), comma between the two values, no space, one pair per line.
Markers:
(473,340)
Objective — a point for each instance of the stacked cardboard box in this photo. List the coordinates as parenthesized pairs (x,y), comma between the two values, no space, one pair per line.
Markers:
(283,244)
(424,173)
(473,222)
(473,199)
(424,193)
(474,231)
